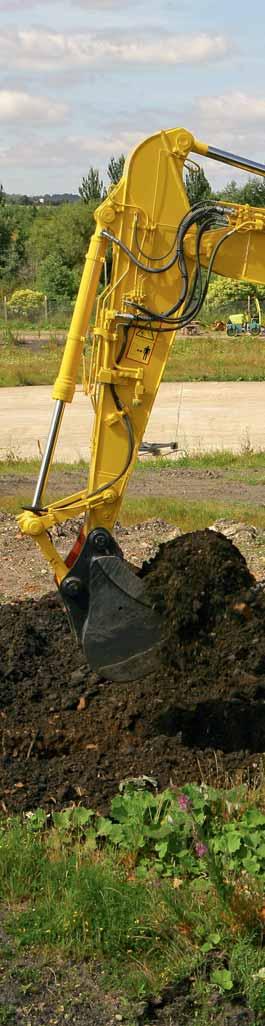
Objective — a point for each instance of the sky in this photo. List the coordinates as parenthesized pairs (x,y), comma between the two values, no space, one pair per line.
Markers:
(83,80)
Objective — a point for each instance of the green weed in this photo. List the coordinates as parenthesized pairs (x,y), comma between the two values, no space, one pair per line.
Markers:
(146,890)
(172,833)
(247,965)
(22,862)
(7,1015)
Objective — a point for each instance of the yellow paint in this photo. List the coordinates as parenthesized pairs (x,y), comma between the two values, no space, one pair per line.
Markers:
(65,383)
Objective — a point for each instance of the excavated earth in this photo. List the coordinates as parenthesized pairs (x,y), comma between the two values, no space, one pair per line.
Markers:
(67,735)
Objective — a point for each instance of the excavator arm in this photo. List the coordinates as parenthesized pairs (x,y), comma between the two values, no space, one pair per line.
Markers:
(159,247)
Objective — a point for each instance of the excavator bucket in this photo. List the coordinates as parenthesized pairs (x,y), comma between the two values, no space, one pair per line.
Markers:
(119,631)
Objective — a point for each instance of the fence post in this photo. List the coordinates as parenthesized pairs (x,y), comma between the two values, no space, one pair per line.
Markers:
(45,308)
(5,308)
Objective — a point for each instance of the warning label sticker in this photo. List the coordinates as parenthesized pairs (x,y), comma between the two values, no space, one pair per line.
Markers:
(141,345)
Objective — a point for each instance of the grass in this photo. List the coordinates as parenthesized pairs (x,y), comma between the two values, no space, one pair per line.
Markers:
(14,327)
(247,467)
(216,359)
(191,516)
(20,366)
(13,466)
(147,934)
(191,359)
(219,459)
(223,459)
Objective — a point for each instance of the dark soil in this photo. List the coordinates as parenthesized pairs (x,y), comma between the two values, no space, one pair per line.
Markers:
(61,992)
(53,992)
(202,715)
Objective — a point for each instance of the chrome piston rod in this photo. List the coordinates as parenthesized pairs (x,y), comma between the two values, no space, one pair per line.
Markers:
(48,454)
(231,158)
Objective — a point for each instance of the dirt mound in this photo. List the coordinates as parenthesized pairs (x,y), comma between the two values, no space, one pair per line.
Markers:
(193,580)
(67,735)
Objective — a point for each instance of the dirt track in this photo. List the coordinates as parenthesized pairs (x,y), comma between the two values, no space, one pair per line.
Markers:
(176,483)
(206,415)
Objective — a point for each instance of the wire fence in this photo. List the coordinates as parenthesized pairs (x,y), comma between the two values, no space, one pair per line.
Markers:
(57,313)
(47,311)
(224,310)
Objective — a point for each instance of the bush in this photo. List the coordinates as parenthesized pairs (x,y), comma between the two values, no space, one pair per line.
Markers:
(26,303)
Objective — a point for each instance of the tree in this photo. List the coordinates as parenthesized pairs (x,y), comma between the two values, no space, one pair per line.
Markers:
(25,201)
(2,194)
(197,186)
(74,226)
(92,187)
(12,245)
(253,192)
(55,279)
(231,192)
(6,231)
(64,232)
(226,295)
(115,169)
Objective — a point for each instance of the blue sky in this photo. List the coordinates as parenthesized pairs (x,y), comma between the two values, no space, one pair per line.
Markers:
(82,80)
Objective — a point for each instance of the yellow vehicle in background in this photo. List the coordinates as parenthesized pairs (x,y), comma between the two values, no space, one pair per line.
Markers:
(248,322)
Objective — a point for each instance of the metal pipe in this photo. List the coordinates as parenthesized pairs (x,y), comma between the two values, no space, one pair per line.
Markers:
(48,454)
(231,158)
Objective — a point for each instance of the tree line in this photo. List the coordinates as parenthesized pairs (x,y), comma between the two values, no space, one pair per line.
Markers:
(43,246)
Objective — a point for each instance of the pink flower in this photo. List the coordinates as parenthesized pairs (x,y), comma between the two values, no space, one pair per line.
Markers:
(184,802)
(201,849)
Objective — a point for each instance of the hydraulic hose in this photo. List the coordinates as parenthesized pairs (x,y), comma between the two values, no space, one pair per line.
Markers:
(210,216)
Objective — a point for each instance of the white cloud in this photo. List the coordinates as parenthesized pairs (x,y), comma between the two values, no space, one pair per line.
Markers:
(121,142)
(233,121)
(68,151)
(88,5)
(57,162)
(41,50)
(233,107)
(15,5)
(16,105)
(109,5)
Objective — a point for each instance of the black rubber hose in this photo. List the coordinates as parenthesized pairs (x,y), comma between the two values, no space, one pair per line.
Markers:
(187,221)
(165,316)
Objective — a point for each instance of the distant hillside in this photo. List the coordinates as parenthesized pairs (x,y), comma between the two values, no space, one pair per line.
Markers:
(53,199)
